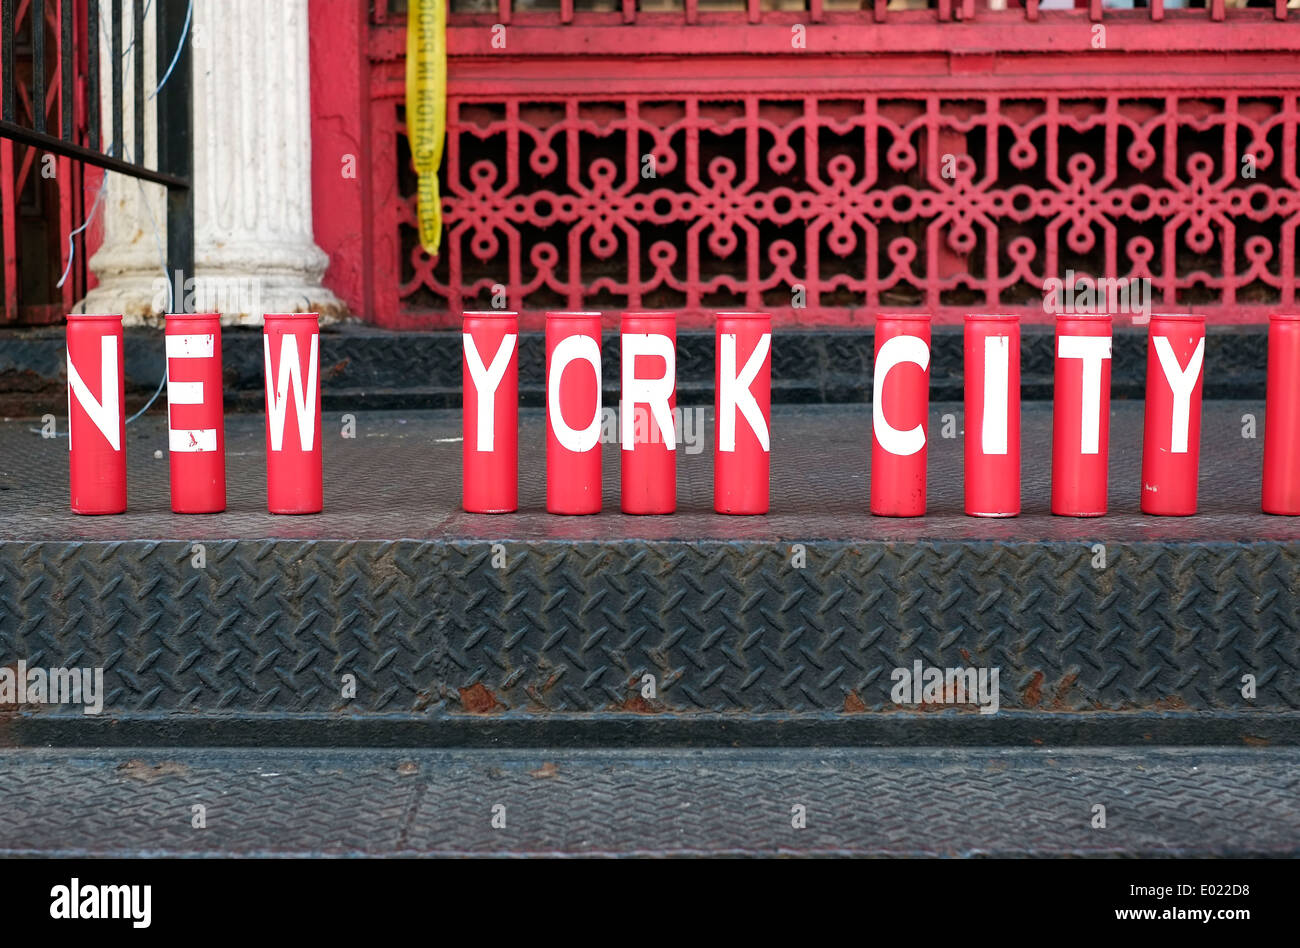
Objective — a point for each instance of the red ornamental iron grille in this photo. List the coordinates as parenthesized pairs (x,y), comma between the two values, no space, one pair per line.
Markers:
(591,169)
(825,210)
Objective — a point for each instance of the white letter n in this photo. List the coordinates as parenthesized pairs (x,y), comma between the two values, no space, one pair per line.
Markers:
(105,414)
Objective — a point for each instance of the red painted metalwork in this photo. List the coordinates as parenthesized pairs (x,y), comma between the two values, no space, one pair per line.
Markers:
(1281,485)
(992,435)
(647,404)
(96,415)
(742,412)
(1171,433)
(900,409)
(38,210)
(573,413)
(490,368)
(294,466)
(893,161)
(1081,416)
(195,413)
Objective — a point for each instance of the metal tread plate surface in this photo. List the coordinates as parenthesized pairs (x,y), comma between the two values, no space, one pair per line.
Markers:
(433,610)
(973,802)
(400,477)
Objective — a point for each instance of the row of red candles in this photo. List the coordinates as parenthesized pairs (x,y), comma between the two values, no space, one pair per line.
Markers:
(647,428)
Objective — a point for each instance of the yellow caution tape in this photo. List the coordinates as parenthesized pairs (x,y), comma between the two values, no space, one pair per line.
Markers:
(426,109)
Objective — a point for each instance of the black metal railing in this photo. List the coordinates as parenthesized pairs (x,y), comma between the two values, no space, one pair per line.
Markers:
(173,90)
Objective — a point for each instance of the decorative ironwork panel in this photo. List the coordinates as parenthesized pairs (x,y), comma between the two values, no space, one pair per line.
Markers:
(826,209)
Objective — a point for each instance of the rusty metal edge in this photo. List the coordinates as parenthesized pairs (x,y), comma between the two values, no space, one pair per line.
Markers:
(1036,729)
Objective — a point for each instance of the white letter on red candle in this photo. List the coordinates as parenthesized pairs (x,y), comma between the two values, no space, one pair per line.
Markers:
(304,400)
(652,392)
(895,351)
(1181,382)
(1093,350)
(735,392)
(198,346)
(105,414)
(486,381)
(570,349)
(997,369)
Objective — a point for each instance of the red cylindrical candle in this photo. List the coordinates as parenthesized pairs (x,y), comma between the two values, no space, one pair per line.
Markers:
(742,402)
(1281,494)
(196,430)
(96,414)
(1081,416)
(992,383)
(294,472)
(1171,433)
(647,427)
(900,410)
(573,413)
(490,475)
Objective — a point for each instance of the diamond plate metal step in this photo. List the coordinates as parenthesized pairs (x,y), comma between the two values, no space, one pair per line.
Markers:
(527,616)
(1187,802)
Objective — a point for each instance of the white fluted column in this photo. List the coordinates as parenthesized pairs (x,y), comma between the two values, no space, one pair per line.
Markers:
(129,263)
(253,247)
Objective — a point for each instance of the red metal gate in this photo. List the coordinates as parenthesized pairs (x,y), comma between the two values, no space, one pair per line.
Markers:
(821,163)
(41,194)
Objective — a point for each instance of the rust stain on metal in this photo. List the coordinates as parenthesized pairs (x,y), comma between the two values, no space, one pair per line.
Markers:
(1034,693)
(965,655)
(408,768)
(137,769)
(853,703)
(544,772)
(1252,741)
(1170,703)
(1062,689)
(477,699)
(636,704)
(337,369)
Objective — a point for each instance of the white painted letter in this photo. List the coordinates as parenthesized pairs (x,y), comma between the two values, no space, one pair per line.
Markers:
(1181,382)
(895,351)
(734,393)
(652,392)
(277,391)
(106,414)
(190,346)
(486,381)
(1093,350)
(571,349)
(997,370)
